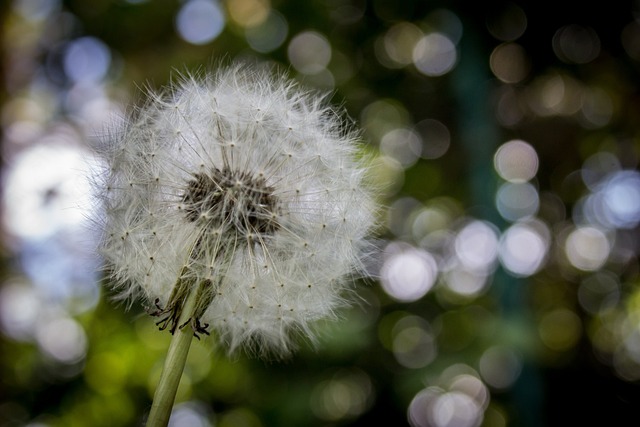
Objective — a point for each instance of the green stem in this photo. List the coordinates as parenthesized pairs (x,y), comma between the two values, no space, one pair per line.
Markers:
(174,364)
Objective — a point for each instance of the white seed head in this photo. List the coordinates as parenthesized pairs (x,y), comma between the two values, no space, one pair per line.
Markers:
(241,181)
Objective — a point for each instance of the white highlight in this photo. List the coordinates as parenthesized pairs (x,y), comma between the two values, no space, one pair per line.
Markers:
(408,274)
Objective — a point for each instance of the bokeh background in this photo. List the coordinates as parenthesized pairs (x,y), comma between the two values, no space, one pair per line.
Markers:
(504,136)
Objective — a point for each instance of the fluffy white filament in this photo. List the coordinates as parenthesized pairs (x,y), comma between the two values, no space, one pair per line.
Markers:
(243,182)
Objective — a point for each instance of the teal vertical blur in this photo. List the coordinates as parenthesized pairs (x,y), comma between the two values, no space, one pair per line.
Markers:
(479,136)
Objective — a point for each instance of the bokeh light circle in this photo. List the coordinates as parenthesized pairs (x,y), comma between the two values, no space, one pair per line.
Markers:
(455,409)
(399,42)
(192,414)
(86,60)
(200,21)
(621,199)
(47,190)
(516,161)
(576,44)
(435,55)
(509,63)
(459,401)
(599,292)
(408,273)
(249,13)
(500,367)
(597,167)
(509,23)
(523,248)
(309,52)
(436,137)
(587,248)
(476,246)
(20,306)
(63,339)
(517,200)
(414,342)
(560,329)
(269,35)
(404,145)
(466,283)
(345,395)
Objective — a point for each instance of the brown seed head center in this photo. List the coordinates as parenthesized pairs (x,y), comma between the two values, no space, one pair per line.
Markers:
(234,201)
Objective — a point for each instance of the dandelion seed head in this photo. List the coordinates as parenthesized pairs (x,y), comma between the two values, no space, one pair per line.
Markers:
(242,181)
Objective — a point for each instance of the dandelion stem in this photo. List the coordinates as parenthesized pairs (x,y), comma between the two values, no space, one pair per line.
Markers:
(174,364)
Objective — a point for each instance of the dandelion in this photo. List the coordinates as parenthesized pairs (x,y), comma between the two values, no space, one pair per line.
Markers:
(235,203)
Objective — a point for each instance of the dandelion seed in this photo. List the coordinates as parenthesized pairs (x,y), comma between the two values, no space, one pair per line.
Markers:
(246,189)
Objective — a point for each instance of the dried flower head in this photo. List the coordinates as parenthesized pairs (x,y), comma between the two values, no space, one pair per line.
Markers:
(245,187)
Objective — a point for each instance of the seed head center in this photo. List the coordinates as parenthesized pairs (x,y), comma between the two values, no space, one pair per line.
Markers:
(235,201)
